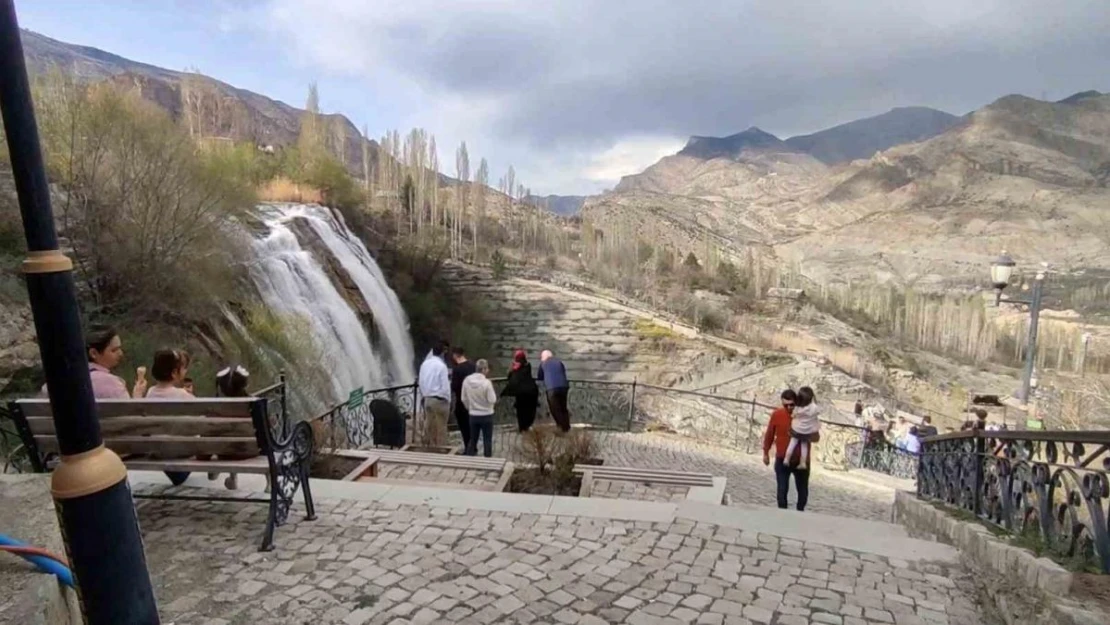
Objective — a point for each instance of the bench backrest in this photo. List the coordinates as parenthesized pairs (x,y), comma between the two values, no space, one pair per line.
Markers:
(161,428)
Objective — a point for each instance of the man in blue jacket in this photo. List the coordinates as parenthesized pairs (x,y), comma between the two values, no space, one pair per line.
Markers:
(553,374)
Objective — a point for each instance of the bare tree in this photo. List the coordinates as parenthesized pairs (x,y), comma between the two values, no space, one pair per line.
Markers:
(481,188)
(462,172)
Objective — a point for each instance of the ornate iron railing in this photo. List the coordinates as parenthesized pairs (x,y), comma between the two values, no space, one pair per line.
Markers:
(1051,486)
(351,426)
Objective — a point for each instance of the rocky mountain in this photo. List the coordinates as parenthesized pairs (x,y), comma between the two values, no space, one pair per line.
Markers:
(864,137)
(752,139)
(1020,174)
(221,110)
(562,205)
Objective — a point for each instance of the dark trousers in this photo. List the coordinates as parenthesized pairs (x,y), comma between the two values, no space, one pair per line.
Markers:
(557,404)
(483,425)
(177,477)
(801,482)
(462,419)
(526,410)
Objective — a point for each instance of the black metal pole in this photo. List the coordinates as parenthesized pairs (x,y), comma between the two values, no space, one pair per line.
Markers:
(1031,346)
(91,493)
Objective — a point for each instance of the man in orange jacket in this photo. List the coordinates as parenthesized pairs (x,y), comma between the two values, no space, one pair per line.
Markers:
(778,436)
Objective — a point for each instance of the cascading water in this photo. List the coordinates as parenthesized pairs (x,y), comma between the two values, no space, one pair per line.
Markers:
(292,281)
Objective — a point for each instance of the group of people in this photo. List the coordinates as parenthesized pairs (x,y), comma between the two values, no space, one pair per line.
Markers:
(465,390)
(901,432)
(170,371)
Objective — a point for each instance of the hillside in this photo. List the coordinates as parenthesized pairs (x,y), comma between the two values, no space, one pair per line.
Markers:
(1019,174)
(563,205)
(223,111)
(864,137)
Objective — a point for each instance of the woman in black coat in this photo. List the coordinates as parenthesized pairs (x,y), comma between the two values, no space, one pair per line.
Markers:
(522,386)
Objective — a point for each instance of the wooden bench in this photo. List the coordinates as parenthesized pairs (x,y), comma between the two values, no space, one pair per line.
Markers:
(169,435)
(590,473)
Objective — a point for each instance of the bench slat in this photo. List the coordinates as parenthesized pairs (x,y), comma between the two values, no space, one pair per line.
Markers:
(112,408)
(257,465)
(145,426)
(171,446)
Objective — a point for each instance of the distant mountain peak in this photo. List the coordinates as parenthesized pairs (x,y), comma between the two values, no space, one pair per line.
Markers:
(1082,95)
(864,137)
(731,146)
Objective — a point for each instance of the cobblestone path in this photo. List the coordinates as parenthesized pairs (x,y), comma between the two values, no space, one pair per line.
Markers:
(749,481)
(373,563)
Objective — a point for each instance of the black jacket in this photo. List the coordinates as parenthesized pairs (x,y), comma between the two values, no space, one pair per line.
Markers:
(521,383)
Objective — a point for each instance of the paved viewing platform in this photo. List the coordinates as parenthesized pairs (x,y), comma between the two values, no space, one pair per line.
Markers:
(392,553)
(398,554)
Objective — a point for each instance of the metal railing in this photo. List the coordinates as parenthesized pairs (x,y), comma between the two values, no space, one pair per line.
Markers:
(1050,487)
(609,406)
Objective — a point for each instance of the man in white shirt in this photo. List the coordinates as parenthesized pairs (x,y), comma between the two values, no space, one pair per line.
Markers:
(435,388)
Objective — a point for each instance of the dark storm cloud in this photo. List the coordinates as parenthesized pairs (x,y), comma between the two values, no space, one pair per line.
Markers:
(590,71)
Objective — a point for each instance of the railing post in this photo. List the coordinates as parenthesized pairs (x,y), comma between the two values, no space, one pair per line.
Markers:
(416,410)
(751,426)
(980,451)
(284,405)
(632,406)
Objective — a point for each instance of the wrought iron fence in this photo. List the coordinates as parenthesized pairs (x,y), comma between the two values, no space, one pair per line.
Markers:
(1050,486)
(632,406)
(350,424)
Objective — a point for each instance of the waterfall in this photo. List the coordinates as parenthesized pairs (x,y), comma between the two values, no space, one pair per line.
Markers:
(291,280)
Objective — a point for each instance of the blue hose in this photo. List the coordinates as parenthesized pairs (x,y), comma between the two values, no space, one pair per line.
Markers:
(47,565)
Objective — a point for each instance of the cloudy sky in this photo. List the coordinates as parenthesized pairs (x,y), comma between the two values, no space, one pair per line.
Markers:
(576,93)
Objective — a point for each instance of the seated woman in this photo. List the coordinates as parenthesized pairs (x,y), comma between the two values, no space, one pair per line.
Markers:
(169,370)
(105,352)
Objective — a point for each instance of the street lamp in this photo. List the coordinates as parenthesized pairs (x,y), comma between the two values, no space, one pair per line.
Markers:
(89,486)
(1001,271)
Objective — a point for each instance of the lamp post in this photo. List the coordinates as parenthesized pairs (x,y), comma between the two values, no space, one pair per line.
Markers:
(1002,270)
(91,494)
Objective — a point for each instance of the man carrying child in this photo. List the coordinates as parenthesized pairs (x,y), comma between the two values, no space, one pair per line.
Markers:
(780,434)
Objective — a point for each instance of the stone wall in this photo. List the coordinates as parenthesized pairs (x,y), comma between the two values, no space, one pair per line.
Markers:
(1024,589)
(597,340)
(29,596)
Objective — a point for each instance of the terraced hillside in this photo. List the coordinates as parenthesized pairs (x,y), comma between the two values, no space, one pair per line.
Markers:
(597,340)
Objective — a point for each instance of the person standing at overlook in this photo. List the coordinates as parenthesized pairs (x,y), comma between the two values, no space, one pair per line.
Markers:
(463,369)
(553,374)
(522,386)
(435,388)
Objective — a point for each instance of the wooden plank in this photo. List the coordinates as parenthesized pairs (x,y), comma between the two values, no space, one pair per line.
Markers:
(450,485)
(441,460)
(147,426)
(425,459)
(506,475)
(624,477)
(112,408)
(367,467)
(587,487)
(581,468)
(257,465)
(168,446)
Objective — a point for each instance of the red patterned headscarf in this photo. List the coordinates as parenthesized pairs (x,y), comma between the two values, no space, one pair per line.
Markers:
(519,358)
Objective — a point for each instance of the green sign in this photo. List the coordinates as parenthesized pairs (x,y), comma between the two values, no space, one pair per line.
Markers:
(355,400)
(1034,424)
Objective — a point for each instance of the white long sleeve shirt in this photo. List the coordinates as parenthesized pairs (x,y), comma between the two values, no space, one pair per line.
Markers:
(478,395)
(434,379)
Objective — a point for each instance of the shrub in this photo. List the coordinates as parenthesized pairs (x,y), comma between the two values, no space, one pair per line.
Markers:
(541,446)
(499,265)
